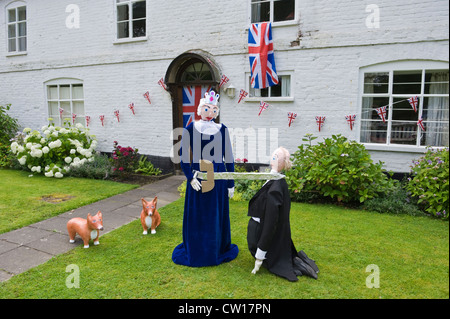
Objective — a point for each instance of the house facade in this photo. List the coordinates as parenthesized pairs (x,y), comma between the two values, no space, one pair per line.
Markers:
(102,61)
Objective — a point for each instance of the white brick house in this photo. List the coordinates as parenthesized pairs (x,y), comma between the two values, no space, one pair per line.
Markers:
(334,58)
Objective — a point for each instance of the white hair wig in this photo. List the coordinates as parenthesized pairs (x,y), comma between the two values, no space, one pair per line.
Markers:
(202,103)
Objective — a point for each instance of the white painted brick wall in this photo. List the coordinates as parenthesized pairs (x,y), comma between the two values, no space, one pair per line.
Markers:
(333,44)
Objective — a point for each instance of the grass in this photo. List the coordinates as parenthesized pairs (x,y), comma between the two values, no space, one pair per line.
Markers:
(412,254)
(26,200)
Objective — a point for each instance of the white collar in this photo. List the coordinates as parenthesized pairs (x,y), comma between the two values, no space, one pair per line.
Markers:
(207,127)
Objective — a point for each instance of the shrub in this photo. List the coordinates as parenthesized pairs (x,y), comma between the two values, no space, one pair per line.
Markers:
(430,182)
(337,168)
(124,159)
(8,127)
(145,167)
(54,151)
(245,189)
(99,168)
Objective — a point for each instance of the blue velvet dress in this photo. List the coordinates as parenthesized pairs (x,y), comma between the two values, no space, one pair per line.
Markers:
(206,220)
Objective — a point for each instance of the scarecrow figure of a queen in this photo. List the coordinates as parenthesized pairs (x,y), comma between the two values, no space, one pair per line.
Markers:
(206,220)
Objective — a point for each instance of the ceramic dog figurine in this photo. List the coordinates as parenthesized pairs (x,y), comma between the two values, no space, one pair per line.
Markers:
(87,228)
(150,217)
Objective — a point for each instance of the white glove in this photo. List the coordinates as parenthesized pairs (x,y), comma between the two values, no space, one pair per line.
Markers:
(258,264)
(230,192)
(196,185)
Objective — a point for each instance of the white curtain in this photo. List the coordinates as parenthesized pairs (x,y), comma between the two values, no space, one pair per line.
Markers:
(437,133)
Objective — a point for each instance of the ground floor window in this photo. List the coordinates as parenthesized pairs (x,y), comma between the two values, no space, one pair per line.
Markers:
(405,103)
(282,89)
(65,99)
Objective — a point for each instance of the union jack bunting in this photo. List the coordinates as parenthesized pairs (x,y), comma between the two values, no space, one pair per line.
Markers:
(191,99)
(262,106)
(420,123)
(131,107)
(381,111)
(116,113)
(291,117)
(243,94)
(320,121)
(163,85)
(61,111)
(262,59)
(102,119)
(74,116)
(223,80)
(147,97)
(414,101)
(351,120)
(88,120)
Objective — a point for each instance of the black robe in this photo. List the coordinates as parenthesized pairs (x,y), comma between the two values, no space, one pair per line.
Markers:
(272,205)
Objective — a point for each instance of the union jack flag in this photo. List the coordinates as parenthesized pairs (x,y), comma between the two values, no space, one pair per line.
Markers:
(262,106)
(420,123)
(102,119)
(351,119)
(223,80)
(163,85)
(291,117)
(242,95)
(74,116)
(131,107)
(116,113)
(88,120)
(320,121)
(147,97)
(262,59)
(414,101)
(191,99)
(381,111)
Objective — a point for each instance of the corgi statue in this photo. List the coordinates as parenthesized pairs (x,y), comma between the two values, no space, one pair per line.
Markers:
(87,228)
(150,217)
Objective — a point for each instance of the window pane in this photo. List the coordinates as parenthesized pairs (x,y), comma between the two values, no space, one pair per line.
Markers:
(12,15)
(12,45)
(122,13)
(286,85)
(372,103)
(22,13)
(403,111)
(276,89)
(66,107)
(53,109)
(64,92)
(22,29)
(139,28)
(78,108)
(407,82)
(260,12)
(52,92)
(436,118)
(22,44)
(404,133)
(376,82)
(139,10)
(12,31)
(436,82)
(122,30)
(77,92)
(436,134)
(284,10)
(373,132)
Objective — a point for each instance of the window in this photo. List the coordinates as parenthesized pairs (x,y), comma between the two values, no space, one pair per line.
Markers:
(131,19)
(66,96)
(17,28)
(281,90)
(272,10)
(392,85)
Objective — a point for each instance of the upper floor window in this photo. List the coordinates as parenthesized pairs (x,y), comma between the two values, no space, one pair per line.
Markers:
(272,10)
(392,85)
(131,19)
(16,16)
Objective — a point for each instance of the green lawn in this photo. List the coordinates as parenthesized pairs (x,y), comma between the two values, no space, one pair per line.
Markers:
(21,196)
(412,254)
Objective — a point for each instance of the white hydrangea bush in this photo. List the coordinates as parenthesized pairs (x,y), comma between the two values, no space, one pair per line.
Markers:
(55,150)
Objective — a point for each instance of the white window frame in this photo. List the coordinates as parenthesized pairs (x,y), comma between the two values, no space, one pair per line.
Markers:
(63,82)
(390,67)
(14,6)
(279,23)
(258,99)
(130,38)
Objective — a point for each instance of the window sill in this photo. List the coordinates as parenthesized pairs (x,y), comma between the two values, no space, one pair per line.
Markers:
(128,40)
(395,148)
(269,99)
(279,24)
(11,54)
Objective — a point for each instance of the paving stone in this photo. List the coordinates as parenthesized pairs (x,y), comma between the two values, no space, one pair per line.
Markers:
(21,259)
(55,224)
(24,235)
(6,246)
(54,244)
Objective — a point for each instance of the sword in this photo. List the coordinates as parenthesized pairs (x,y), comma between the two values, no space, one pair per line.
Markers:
(209,175)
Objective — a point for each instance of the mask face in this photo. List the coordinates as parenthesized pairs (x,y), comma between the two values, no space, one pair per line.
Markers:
(208,112)
(277,160)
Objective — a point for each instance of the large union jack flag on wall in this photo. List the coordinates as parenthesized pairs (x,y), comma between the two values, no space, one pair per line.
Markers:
(262,60)
(191,98)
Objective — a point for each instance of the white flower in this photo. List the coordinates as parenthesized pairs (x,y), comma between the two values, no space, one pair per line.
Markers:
(23,160)
(36,153)
(47,132)
(49,174)
(45,150)
(79,126)
(68,160)
(29,145)
(55,134)
(36,169)
(14,147)
(45,127)
(20,149)
(55,144)
(73,151)
(59,175)
(42,140)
